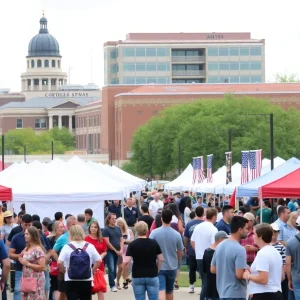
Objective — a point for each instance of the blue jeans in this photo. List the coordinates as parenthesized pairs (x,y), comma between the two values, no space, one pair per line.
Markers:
(17,293)
(296,290)
(167,280)
(143,285)
(111,262)
(203,278)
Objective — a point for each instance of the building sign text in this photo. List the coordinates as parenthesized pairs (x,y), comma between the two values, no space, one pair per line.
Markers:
(63,95)
(215,36)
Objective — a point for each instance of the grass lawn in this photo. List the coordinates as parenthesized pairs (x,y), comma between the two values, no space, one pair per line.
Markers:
(183,280)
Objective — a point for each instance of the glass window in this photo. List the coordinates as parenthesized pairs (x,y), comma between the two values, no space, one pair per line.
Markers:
(192,67)
(192,53)
(19,123)
(53,63)
(162,80)
(255,65)
(114,81)
(244,79)
(178,67)
(256,79)
(223,51)
(224,66)
(46,63)
(213,52)
(150,51)
(223,79)
(151,66)
(141,52)
(140,80)
(151,79)
(128,52)
(234,79)
(234,65)
(163,52)
(234,51)
(113,69)
(178,53)
(128,67)
(213,66)
(32,63)
(244,51)
(140,67)
(129,80)
(163,66)
(193,81)
(114,54)
(39,63)
(213,79)
(255,51)
(244,65)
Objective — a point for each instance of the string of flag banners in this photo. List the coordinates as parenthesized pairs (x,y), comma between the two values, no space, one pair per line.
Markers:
(250,160)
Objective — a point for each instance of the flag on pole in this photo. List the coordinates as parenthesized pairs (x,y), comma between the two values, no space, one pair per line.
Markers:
(228,166)
(201,175)
(195,168)
(255,163)
(245,167)
(233,201)
(209,168)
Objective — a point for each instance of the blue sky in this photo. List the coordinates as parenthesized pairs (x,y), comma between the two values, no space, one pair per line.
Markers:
(81,28)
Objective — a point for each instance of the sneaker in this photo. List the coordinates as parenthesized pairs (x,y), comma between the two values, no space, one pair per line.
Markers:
(114,289)
(191,289)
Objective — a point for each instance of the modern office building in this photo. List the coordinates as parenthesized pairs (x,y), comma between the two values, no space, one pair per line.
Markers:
(164,58)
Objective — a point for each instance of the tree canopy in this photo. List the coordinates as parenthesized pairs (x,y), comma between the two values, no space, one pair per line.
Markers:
(202,128)
(285,77)
(16,139)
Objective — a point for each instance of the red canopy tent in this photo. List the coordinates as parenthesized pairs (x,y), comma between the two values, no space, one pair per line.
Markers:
(5,166)
(5,193)
(284,187)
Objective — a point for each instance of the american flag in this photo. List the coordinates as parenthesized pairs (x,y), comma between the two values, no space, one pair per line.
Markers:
(195,168)
(245,167)
(201,175)
(209,168)
(255,163)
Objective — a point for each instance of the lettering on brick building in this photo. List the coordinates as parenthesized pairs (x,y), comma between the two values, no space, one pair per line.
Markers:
(215,36)
(63,95)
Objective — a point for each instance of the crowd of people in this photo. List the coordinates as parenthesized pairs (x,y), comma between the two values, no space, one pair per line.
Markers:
(143,244)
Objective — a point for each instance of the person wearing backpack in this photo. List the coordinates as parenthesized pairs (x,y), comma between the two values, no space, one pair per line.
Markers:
(78,260)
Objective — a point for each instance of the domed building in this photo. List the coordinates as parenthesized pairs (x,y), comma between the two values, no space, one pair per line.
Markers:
(44,72)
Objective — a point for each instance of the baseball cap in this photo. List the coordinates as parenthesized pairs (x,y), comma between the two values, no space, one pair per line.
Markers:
(221,235)
(298,221)
(275,226)
(249,216)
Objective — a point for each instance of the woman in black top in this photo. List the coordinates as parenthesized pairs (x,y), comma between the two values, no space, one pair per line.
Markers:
(147,260)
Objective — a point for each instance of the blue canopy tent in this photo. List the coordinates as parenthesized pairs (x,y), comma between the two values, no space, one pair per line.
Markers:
(250,189)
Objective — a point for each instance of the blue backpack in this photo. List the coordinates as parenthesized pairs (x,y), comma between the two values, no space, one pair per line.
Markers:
(80,264)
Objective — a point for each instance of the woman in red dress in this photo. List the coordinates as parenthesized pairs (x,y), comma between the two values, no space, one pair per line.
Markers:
(95,238)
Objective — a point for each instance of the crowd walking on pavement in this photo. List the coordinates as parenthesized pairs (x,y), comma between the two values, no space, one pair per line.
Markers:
(144,243)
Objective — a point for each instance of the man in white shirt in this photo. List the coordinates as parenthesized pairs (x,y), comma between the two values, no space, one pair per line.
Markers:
(155,205)
(203,236)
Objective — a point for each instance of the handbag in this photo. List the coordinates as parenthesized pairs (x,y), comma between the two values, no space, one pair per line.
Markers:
(54,270)
(28,285)
(99,281)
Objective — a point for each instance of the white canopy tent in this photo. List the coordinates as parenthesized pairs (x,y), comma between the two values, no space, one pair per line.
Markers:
(59,186)
(183,182)
(228,189)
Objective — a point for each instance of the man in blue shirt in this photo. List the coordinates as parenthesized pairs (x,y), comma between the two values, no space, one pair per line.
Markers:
(224,224)
(115,208)
(190,252)
(131,214)
(199,203)
(17,245)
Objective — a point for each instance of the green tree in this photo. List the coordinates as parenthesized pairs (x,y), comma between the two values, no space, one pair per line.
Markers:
(202,128)
(285,77)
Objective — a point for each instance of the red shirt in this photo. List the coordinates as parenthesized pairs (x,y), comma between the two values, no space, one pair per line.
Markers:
(100,247)
(249,240)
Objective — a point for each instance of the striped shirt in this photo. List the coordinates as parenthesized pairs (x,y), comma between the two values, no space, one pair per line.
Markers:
(281,249)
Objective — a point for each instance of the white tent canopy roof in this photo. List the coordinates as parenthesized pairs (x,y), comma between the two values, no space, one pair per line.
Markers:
(183,182)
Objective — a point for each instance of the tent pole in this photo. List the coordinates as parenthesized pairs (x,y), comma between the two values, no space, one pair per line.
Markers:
(3,152)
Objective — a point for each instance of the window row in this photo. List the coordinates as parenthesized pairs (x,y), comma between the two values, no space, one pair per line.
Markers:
(234,79)
(42,63)
(234,51)
(149,67)
(189,67)
(234,65)
(146,80)
(190,80)
(90,121)
(187,52)
(38,123)
(142,52)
